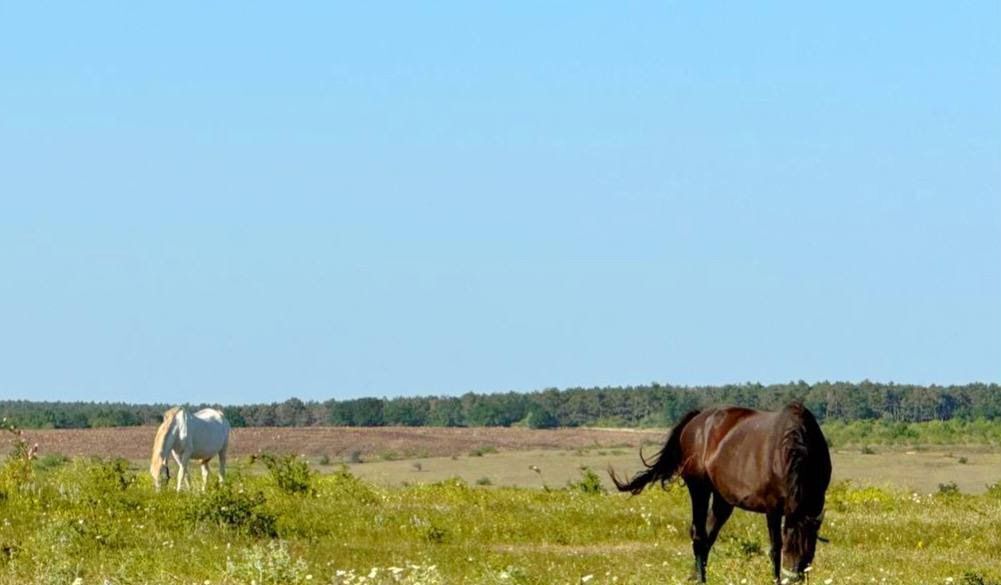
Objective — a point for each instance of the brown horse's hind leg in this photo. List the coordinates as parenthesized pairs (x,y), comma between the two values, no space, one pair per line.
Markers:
(700,540)
(775,535)
(718,515)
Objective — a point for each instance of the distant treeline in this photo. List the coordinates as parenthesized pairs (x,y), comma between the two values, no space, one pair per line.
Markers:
(632,406)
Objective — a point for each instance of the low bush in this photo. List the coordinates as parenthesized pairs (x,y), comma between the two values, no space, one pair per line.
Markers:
(589,483)
(291,474)
(234,508)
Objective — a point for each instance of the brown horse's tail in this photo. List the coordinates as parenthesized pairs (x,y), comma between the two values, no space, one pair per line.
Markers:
(664,467)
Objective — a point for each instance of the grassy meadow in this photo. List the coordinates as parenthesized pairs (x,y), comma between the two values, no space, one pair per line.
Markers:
(88,521)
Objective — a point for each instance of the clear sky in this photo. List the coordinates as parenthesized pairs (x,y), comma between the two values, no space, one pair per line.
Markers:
(240,202)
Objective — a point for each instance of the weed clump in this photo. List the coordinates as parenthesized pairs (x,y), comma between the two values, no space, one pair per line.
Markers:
(972,578)
(749,548)
(948,489)
(428,530)
(235,509)
(16,472)
(268,564)
(481,451)
(291,474)
(589,483)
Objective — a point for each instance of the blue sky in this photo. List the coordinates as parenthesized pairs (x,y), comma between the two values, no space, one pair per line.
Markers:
(238,202)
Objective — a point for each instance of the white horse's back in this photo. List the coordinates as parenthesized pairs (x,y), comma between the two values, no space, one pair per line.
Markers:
(209,433)
(210,414)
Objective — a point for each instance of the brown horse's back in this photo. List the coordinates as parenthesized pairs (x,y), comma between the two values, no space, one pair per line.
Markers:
(702,436)
(743,459)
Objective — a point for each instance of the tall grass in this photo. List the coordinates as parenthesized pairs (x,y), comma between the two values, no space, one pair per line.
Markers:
(93,521)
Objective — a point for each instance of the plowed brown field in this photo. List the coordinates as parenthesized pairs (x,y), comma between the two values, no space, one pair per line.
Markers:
(341,442)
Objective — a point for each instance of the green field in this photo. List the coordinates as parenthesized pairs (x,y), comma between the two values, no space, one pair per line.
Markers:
(88,521)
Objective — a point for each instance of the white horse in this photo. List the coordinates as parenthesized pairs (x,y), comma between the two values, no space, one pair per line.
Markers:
(200,436)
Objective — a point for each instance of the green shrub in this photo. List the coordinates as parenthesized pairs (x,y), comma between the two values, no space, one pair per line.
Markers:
(291,474)
(112,475)
(233,508)
(344,485)
(589,483)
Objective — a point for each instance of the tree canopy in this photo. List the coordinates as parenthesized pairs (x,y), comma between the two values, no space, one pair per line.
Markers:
(634,406)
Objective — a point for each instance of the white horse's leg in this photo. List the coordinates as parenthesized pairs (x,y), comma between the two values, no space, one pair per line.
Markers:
(182,473)
(222,462)
(180,467)
(205,474)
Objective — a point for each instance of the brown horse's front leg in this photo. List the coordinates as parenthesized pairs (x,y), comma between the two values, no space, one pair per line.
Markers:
(775,535)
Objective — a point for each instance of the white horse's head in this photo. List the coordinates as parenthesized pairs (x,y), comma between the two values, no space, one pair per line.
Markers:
(162,445)
(160,472)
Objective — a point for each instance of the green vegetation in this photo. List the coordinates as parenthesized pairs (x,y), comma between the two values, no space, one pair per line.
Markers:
(885,432)
(653,405)
(291,474)
(589,483)
(481,451)
(101,522)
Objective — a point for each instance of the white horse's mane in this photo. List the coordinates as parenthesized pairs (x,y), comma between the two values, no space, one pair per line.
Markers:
(161,433)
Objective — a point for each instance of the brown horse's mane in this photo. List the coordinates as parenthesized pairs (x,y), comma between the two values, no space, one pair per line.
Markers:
(806,454)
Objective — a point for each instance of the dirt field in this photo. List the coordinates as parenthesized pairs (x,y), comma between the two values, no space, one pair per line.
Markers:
(897,469)
(339,443)
(505,456)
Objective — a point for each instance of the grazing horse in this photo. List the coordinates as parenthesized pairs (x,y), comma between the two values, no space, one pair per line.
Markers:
(775,463)
(201,436)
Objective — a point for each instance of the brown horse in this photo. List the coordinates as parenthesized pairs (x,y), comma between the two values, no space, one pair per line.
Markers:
(775,463)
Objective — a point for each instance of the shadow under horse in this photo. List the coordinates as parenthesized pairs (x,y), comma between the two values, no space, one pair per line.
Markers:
(775,463)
